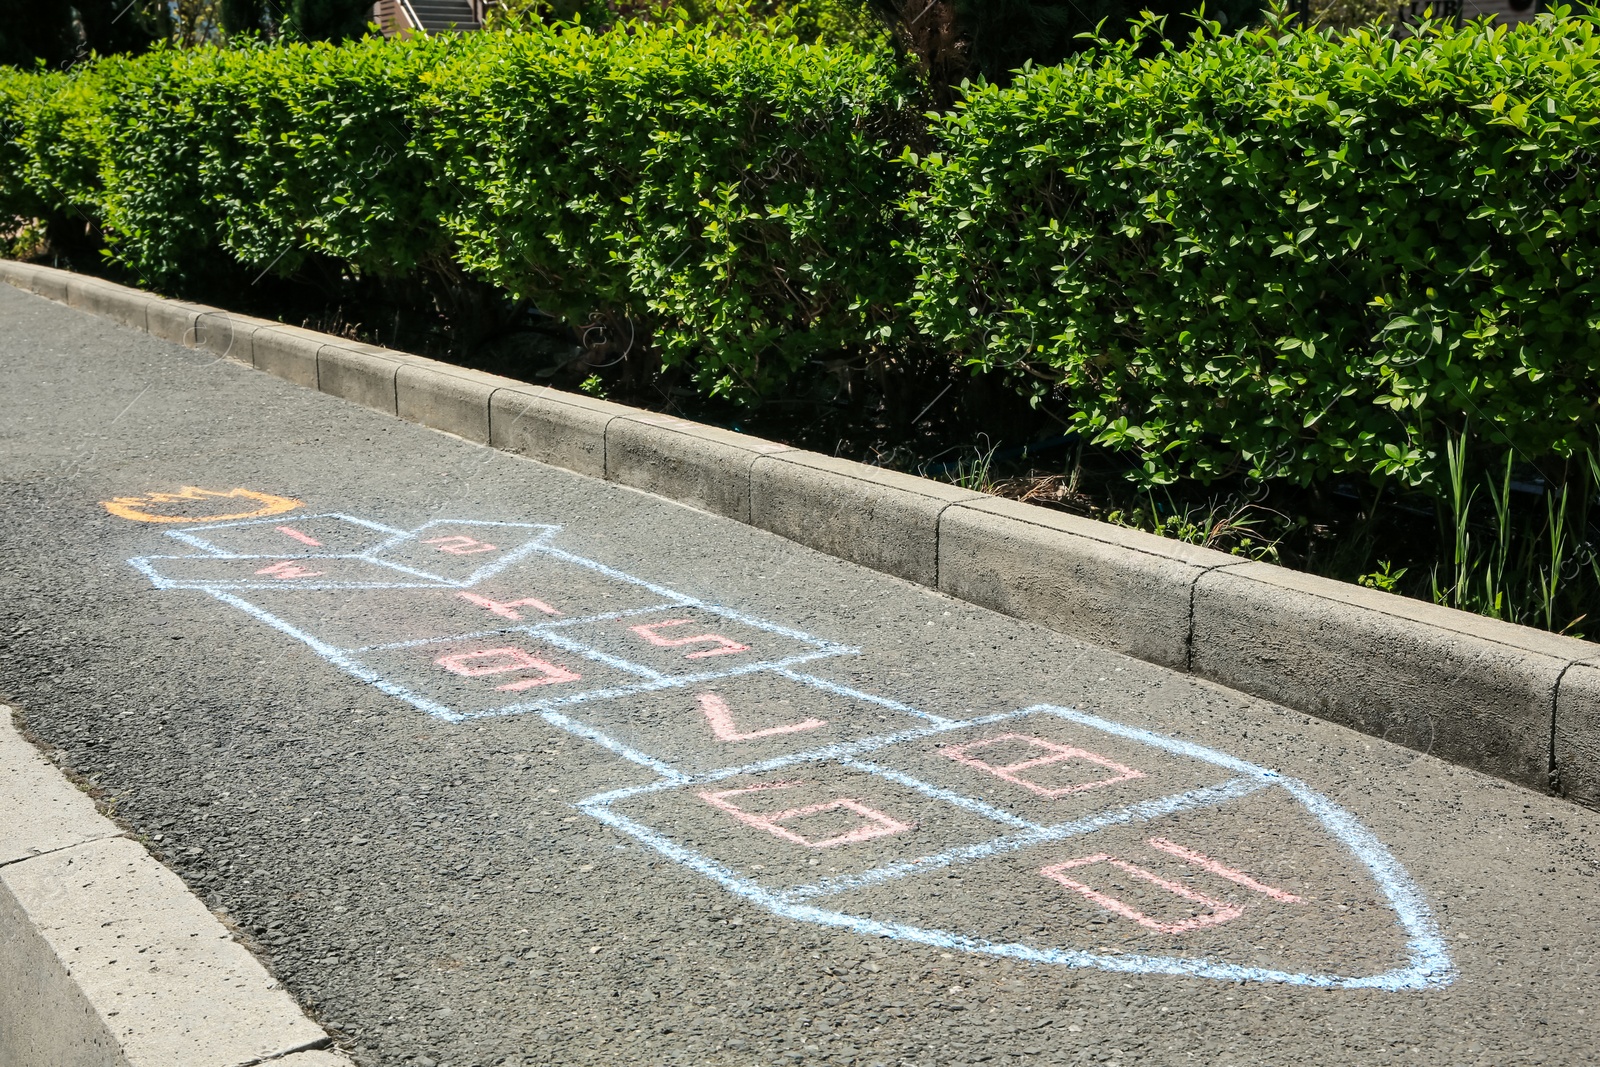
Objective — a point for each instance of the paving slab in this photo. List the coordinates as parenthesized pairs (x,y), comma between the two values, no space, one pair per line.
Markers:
(494,763)
(164,977)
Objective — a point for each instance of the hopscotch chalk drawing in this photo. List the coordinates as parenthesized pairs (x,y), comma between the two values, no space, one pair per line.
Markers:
(1044,834)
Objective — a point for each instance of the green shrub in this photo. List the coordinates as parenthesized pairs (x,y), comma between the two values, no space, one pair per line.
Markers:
(847,23)
(734,195)
(17,199)
(1275,252)
(1282,252)
(51,137)
(731,197)
(263,155)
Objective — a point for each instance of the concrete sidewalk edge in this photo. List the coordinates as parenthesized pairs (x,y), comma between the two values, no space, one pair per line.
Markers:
(1509,700)
(106,958)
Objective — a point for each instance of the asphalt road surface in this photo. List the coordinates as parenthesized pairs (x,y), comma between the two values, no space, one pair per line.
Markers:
(497,764)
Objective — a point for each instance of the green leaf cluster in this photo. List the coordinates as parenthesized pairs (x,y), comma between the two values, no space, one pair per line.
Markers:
(1283,253)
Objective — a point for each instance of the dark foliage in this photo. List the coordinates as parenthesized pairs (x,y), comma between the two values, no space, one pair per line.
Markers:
(328,20)
(60,33)
(956,39)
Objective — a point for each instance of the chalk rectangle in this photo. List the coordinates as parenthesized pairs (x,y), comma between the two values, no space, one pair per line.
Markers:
(1047,769)
(305,571)
(507,672)
(788,826)
(740,719)
(697,640)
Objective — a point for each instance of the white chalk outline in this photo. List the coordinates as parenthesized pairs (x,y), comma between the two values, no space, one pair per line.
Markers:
(1429,966)
(348,659)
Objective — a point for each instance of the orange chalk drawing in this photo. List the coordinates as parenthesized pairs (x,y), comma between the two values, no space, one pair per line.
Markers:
(179,506)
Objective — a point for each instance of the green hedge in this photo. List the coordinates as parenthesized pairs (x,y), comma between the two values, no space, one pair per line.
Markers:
(735,195)
(1272,252)
(269,154)
(1282,252)
(731,198)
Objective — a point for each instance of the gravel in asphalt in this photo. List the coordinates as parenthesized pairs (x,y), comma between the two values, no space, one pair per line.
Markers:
(492,763)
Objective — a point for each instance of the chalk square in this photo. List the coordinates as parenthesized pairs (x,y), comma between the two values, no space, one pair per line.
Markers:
(288,535)
(684,642)
(1047,769)
(741,720)
(491,674)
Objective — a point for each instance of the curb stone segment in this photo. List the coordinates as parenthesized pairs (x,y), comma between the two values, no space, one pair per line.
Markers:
(22,275)
(288,352)
(566,430)
(162,974)
(1123,589)
(704,466)
(107,958)
(54,815)
(228,336)
(452,399)
(1449,683)
(40,280)
(51,284)
(176,322)
(358,373)
(44,1017)
(118,303)
(1577,733)
(878,518)
(1501,698)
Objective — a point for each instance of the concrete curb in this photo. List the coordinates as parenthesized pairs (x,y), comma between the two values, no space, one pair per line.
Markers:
(1512,701)
(107,959)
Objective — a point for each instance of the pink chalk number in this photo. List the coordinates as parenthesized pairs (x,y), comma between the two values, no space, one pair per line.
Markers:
(1221,911)
(1206,863)
(720,716)
(460,545)
(1012,772)
(508,609)
(877,824)
(288,572)
(725,646)
(302,537)
(502,661)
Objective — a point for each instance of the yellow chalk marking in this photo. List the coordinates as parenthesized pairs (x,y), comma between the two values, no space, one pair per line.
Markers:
(138,508)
